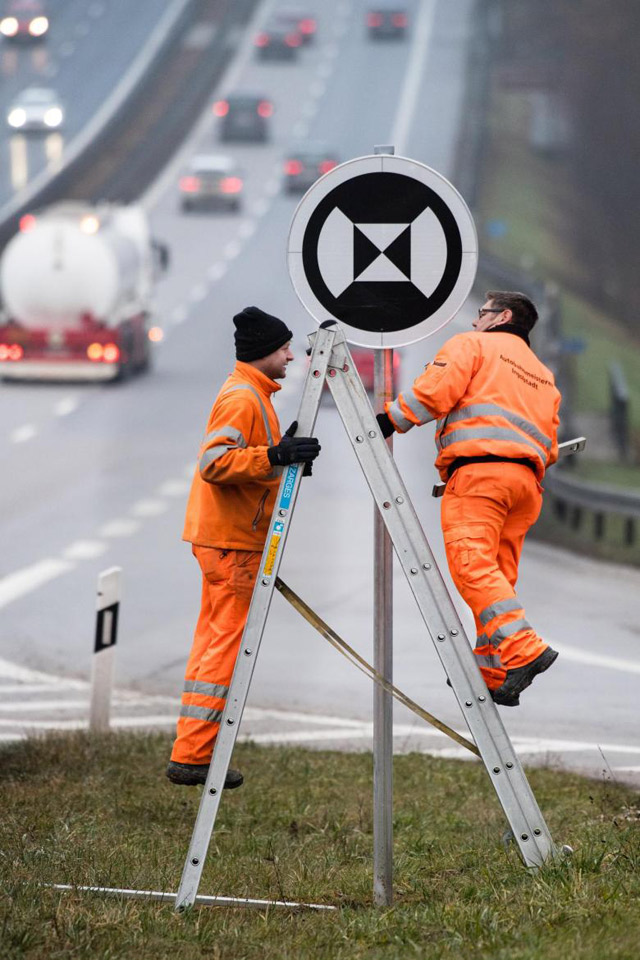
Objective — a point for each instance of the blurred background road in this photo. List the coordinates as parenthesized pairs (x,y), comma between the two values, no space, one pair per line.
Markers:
(96,475)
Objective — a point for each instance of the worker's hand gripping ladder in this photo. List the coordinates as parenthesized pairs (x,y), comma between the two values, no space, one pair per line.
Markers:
(331,360)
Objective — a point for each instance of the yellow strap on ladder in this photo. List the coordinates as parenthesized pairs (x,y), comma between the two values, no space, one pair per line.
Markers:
(343,647)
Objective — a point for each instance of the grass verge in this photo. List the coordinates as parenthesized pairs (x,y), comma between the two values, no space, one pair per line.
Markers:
(98,811)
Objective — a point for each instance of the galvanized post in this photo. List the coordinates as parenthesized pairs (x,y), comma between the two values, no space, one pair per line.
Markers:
(383,662)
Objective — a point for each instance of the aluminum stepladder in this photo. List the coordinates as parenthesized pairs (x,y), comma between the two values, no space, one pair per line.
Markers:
(331,362)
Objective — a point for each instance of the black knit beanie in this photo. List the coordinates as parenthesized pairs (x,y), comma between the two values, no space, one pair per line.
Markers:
(258,334)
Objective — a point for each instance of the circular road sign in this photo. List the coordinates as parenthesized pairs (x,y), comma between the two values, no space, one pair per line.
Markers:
(386,246)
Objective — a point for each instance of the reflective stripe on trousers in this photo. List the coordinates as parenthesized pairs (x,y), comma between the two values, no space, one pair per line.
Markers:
(228,577)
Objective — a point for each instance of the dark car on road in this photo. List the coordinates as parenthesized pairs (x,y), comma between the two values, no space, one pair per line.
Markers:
(304,163)
(297,18)
(387,23)
(244,117)
(278,42)
(212,182)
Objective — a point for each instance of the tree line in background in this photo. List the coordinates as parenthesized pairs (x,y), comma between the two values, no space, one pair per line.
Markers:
(584,55)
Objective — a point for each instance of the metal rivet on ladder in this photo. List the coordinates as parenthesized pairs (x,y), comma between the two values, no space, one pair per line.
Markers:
(453,632)
(441,637)
(265,582)
(248,651)
(359,439)
(230,722)
(496,769)
(195,861)
(482,700)
(468,703)
(399,500)
(282,513)
(213,791)
(386,504)
(426,566)
(524,836)
(372,433)
(509,764)
(537,831)
(414,570)
(332,373)
(316,373)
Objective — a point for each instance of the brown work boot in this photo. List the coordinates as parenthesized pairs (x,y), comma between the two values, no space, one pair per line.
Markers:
(192,774)
(508,693)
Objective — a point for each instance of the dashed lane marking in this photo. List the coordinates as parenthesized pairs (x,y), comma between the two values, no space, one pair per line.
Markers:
(84,550)
(119,528)
(216,271)
(23,581)
(22,434)
(174,488)
(66,406)
(149,508)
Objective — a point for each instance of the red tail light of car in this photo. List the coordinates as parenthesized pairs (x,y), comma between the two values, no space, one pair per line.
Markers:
(230,185)
(292,168)
(189,184)
(10,351)
(307,26)
(111,353)
(399,19)
(374,20)
(27,222)
(221,108)
(326,165)
(262,40)
(265,109)
(293,40)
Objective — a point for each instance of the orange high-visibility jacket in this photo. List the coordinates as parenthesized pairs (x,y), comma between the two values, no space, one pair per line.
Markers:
(490,395)
(234,486)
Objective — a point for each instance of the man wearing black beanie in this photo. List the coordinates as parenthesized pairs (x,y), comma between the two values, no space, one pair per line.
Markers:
(228,515)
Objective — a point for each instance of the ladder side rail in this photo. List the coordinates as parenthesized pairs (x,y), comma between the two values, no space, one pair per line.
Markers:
(438,611)
(253,631)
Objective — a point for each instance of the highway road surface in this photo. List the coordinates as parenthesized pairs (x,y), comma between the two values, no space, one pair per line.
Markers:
(98,475)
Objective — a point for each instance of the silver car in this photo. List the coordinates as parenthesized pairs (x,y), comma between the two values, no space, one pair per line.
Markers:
(36,109)
(212,182)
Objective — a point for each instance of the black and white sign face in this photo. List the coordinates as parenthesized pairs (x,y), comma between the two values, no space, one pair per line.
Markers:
(386,246)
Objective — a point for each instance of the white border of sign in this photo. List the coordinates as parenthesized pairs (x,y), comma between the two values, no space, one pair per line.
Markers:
(385,163)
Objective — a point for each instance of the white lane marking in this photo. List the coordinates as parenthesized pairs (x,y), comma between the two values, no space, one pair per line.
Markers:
(119,528)
(340,28)
(14,671)
(272,187)
(22,434)
(325,69)
(23,581)
(66,406)
(67,49)
(595,659)
(411,87)
(317,89)
(179,315)
(82,29)
(21,689)
(331,51)
(36,705)
(217,271)
(81,724)
(627,769)
(149,508)
(52,70)
(310,109)
(260,207)
(300,130)
(232,250)
(199,293)
(174,488)
(96,10)
(84,550)
(247,229)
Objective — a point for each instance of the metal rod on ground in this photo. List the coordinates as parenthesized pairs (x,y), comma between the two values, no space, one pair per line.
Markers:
(383,662)
(104,649)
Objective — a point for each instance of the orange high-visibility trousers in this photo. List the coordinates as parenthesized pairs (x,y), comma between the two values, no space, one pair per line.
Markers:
(487,510)
(228,577)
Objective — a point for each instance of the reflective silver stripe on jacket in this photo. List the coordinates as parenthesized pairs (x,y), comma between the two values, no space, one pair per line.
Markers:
(488,433)
(496,609)
(395,411)
(220,449)
(201,713)
(507,630)
(247,386)
(493,410)
(417,407)
(491,660)
(207,689)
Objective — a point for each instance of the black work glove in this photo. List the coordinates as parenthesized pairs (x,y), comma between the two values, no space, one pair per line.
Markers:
(292,449)
(386,424)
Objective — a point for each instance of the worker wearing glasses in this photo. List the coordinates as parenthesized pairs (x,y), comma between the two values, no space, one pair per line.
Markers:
(496,410)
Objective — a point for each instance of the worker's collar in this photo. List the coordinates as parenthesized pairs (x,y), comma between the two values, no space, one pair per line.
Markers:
(257,378)
(510,328)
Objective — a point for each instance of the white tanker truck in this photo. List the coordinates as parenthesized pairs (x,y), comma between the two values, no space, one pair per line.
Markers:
(75,291)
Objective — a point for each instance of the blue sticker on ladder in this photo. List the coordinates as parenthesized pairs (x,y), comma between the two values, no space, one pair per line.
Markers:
(289,484)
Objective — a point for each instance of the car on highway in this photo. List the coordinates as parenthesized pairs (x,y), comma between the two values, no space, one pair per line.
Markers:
(387,22)
(244,117)
(299,19)
(24,20)
(304,163)
(211,182)
(35,110)
(278,41)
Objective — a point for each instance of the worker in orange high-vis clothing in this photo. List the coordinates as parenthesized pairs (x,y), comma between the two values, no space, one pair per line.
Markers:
(496,407)
(228,514)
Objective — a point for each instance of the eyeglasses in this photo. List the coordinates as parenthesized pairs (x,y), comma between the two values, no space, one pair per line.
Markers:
(483,310)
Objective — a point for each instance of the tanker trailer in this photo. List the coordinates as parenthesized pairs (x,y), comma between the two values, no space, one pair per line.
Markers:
(75,285)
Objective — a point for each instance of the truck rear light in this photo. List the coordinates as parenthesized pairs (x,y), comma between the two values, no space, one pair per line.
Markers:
(95,351)
(231,185)
(110,353)
(307,26)
(292,168)
(11,351)
(325,165)
(374,20)
(265,109)
(90,224)
(189,184)
(156,334)
(27,222)
(262,40)
(221,108)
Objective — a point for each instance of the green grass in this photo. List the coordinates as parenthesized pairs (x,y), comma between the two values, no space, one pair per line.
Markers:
(98,811)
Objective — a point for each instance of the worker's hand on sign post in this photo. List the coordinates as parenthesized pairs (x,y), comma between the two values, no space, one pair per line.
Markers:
(386,424)
(292,449)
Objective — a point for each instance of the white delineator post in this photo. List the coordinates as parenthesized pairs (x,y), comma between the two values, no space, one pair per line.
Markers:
(104,649)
